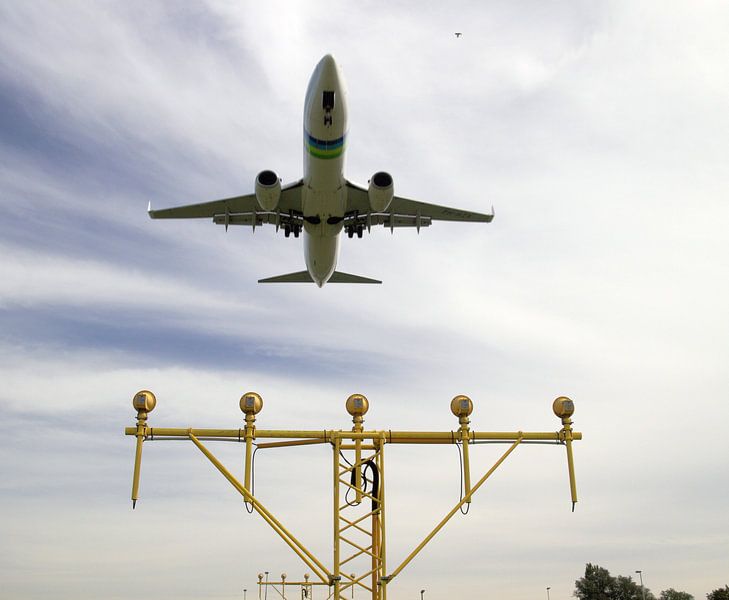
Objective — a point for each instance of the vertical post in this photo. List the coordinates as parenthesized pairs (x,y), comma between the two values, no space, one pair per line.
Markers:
(464,421)
(381,591)
(336,443)
(567,423)
(642,589)
(357,405)
(564,408)
(144,403)
(358,419)
(376,538)
(249,434)
(462,407)
(251,404)
(375,564)
(306,588)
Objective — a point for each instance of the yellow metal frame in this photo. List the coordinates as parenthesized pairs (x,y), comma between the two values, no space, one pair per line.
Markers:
(359,526)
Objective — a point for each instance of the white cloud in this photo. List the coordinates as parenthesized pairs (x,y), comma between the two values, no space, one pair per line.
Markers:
(598,132)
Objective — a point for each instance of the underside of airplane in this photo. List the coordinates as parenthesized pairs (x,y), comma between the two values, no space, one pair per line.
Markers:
(323,204)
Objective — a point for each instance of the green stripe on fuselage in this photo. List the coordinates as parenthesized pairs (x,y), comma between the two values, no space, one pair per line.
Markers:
(325,154)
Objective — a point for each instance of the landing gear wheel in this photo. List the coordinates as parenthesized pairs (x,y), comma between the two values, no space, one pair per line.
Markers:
(287,230)
(359,231)
(297,230)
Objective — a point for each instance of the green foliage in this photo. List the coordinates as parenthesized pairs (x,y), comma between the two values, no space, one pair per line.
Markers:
(627,589)
(719,594)
(598,584)
(671,594)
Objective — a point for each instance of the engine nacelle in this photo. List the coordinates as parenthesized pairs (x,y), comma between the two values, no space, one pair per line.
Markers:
(380,191)
(268,190)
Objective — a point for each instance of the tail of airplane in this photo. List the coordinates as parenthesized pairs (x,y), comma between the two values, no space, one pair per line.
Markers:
(305,277)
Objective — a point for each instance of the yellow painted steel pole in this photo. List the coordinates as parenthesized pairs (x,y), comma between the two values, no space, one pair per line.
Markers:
(250,404)
(357,405)
(381,534)
(466,461)
(250,429)
(137,465)
(311,561)
(564,408)
(462,407)
(335,473)
(143,402)
(391,437)
(570,460)
(375,563)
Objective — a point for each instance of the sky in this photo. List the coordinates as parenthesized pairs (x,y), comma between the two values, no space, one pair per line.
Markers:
(598,131)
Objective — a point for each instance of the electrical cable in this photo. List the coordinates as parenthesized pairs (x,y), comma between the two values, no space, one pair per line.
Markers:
(375,474)
(375,482)
(460,486)
(249,505)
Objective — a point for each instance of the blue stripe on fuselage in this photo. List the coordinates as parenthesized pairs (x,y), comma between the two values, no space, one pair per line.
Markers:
(324,144)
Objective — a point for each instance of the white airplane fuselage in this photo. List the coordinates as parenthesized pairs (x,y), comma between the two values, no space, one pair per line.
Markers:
(324,199)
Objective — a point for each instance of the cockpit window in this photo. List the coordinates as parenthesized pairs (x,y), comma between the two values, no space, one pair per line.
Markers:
(327,100)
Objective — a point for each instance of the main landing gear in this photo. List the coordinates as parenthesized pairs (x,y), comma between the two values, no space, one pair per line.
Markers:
(352,229)
(295,229)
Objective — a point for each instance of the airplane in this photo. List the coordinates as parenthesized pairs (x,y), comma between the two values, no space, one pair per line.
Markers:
(323,203)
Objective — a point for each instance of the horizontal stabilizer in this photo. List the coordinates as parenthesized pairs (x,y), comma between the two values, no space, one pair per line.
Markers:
(304,277)
(298,277)
(339,277)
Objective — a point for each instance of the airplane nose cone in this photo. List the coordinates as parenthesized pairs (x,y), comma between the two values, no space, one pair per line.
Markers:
(328,70)
(328,62)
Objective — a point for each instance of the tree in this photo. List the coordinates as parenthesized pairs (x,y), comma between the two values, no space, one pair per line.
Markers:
(627,589)
(597,584)
(671,594)
(719,594)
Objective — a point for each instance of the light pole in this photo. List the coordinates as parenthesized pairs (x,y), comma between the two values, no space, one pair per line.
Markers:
(421,594)
(642,589)
(265,593)
(244,593)
(548,588)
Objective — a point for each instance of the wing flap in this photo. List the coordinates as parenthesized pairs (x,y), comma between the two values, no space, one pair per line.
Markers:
(290,201)
(254,219)
(358,201)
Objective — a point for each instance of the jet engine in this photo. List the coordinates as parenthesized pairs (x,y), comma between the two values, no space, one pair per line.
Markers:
(268,190)
(380,191)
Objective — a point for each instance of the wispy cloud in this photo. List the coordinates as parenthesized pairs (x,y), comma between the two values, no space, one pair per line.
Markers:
(599,134)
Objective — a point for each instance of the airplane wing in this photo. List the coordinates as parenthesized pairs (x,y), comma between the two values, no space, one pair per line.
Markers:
(240,210)
(403,212)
